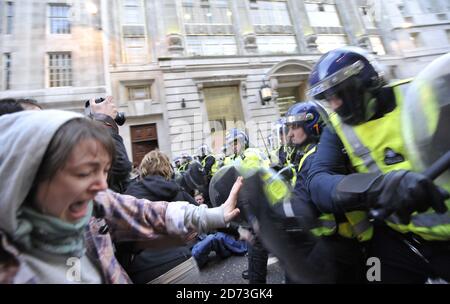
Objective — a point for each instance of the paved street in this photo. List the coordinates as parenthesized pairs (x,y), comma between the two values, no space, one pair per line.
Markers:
(229,271)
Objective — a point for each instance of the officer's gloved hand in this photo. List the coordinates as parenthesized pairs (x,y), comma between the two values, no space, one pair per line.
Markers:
(404,192)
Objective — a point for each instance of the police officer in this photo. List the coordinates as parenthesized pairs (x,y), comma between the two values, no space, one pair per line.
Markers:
(344,254)
(304,128)
(185,159)
(208,160)
(411,231)
(238,143)
(247,158)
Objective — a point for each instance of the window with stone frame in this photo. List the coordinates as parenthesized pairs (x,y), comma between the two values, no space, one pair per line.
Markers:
(322,15)
(207,12)
(6,71)
(270,13)
(276,44)
(134,38)
(135,50)
(327,43)
(139,92)
(205,45)
(434,6)
(59,18)
(59,69)
(9,17)
(132,12)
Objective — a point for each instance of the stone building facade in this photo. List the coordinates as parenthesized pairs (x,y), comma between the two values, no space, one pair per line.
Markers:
(185,71)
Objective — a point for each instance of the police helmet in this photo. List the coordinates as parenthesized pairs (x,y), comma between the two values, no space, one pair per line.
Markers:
(306,115)
(236,134)
(185,157)
(203,151)
(351,74)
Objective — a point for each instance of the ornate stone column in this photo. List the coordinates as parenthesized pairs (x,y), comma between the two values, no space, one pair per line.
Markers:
(303,28)
(172,27)
(243,27)
(352,22)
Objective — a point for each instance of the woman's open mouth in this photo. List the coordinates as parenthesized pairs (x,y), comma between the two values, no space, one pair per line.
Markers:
(78,210)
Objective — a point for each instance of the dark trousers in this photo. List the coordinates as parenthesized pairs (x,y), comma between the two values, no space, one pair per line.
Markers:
(406,258)
(334,260)
(150,264)
(257,263)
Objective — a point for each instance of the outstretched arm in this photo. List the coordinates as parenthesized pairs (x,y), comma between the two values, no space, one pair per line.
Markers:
(130,218)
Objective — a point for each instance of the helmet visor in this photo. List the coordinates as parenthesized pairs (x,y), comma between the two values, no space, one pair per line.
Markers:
(328,83)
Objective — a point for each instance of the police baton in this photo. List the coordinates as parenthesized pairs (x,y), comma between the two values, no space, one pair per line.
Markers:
(265,146)
(438,167)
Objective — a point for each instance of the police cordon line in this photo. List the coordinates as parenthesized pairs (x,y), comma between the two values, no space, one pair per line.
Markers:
(344,179)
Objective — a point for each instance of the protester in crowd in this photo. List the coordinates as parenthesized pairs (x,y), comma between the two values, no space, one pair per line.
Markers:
(145,265)
(56,211)
(106,113)
(198,196)
(223,243)
(12,105)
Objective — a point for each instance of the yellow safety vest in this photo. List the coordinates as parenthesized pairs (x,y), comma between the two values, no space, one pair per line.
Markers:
(183,167)
(366,146)
(214,167)
(253,158)
(357,224)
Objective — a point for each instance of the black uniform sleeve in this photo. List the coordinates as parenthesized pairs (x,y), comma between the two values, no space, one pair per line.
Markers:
(328,168)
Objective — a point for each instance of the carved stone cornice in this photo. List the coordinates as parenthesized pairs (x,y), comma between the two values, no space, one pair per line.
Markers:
(208,29)
(274,29)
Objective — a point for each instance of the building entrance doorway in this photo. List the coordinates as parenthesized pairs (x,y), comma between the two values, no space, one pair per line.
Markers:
(224,110)
(143,140)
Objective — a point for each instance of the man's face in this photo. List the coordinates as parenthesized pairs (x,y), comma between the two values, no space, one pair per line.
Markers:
(335,102)
(296,135)
(67,194)
(237,146)
(199,199)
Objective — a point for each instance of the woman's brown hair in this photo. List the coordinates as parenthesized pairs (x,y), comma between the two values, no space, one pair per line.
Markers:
(64,141)
(156,163)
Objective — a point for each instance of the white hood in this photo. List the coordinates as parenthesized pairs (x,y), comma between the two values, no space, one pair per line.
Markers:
(24,138)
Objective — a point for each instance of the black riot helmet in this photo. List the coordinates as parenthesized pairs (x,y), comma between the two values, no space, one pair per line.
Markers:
(352,75)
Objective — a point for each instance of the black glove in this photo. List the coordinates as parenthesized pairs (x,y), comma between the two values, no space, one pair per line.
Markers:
(404,192)
(401,192)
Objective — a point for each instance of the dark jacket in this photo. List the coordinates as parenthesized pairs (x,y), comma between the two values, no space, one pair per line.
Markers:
(329,167)
(118,178)
(302,198)
(146,265)
(156,188)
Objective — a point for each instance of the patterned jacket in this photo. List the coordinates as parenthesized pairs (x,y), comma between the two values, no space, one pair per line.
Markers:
(118,218)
